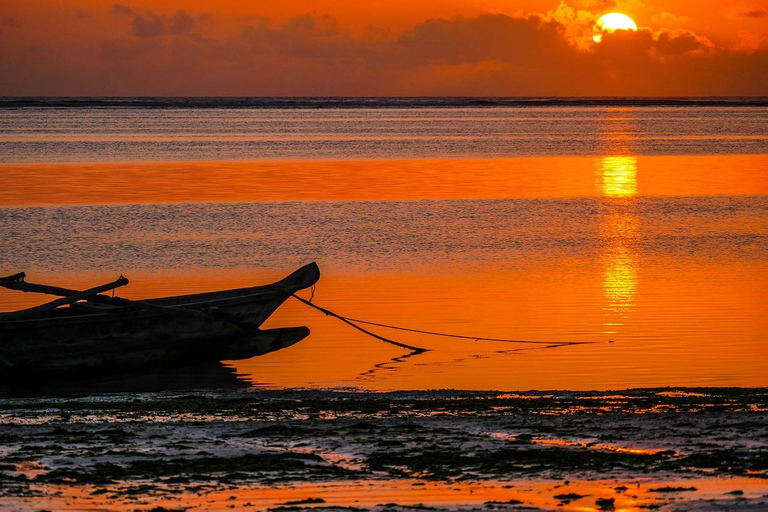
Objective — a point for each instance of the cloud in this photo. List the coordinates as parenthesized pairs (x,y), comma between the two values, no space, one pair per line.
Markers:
(535,39)
(489,37)
(7,23)
(623,51)
(152,53)
(668,19)
(750,41)
(490,54)
(145,23)
(120,9)
(82,14)
(577,24)
(753,11)
(679,42)
(307,36)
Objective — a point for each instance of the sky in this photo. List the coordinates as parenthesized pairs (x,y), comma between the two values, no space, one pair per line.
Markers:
(381,48)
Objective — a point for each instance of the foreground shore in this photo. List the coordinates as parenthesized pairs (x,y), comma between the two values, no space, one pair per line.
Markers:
(637,450)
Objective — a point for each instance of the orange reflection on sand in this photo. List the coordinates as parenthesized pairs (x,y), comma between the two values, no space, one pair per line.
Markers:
(629,494)
(600,447)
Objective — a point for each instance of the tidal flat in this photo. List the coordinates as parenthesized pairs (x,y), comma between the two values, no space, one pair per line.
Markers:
(636,450)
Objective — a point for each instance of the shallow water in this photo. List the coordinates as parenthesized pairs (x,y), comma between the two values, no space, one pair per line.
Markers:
(654,247)
(97,134)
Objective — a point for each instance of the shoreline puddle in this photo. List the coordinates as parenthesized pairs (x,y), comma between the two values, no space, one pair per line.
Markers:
(628,495)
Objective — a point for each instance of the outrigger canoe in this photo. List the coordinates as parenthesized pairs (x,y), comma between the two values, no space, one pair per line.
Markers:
(85,332)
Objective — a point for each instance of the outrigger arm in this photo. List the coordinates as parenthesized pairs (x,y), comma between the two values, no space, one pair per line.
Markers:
(17,282)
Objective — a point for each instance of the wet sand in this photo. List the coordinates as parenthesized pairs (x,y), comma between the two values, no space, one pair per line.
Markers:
(664,449)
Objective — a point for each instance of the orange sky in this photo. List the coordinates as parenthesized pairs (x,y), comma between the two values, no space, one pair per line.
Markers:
(381,47)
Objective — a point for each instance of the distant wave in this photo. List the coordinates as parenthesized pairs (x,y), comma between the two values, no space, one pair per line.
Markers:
(378,102)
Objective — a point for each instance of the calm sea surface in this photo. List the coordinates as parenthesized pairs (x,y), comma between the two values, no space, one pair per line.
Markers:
(643,228)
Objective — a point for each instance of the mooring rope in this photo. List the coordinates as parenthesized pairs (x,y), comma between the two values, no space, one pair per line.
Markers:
(476,338)
(353,321)
(415,350)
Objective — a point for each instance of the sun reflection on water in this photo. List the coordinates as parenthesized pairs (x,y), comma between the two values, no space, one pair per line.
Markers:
(620,280)
(619,176)
(619,229)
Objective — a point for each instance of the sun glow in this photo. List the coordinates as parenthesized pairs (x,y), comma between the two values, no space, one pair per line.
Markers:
(618,176)
(610,23)
(619,229)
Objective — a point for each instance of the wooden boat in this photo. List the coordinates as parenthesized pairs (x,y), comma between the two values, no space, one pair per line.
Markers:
(85,332)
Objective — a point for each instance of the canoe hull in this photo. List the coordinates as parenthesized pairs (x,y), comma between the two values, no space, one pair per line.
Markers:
(154,356)
(74,340)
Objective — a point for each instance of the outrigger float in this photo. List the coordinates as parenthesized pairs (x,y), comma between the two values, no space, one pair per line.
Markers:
(86,332)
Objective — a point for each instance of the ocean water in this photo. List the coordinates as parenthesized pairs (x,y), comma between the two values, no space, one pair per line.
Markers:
(641,227)
(89,133)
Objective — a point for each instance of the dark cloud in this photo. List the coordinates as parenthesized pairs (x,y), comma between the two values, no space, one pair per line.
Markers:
(497,54)
(82,14)
(750,11)
(679,42)
(120,9)
(490,37)
(307,37)
(8,23)
(487,37)
(491,54)
(647,45)
(149,25)
(145,23)
(520,41)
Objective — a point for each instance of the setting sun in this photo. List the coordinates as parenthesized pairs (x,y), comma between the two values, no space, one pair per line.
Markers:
(611,22)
